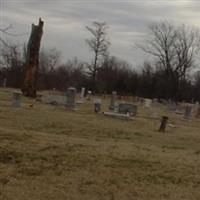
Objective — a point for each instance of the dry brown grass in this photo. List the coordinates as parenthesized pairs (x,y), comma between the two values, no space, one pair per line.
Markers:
(49,153)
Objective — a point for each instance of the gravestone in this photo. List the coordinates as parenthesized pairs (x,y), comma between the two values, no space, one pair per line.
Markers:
(113,100)
(82,93)
(147,103)
(97,105)
(71,95)
(188,112)
(54,99)
(16,99)
(4,82)
(127,108)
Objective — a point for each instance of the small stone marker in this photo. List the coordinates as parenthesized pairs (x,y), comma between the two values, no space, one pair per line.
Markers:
(113,100)
(71,95)
(16,99)
(188,112)
(163,124)
(82,93)
(127,108)
(4,82)
(97,105)
(147,103)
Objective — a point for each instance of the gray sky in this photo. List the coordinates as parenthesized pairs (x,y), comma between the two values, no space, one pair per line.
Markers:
(65,22)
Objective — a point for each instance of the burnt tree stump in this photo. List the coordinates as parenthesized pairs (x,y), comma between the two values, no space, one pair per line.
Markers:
(29,88)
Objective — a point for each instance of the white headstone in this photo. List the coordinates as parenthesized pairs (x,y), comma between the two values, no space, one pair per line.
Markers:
(113,100)
(82,93)
(147,103)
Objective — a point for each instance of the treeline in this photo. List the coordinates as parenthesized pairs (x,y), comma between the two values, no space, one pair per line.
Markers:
(175,51)
(114,74)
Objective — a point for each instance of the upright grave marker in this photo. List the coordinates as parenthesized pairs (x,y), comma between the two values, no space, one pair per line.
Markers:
(97,105)
(82,93)
(188,112)
(71,95)
(113,100)
(4,82)
(127,108)
(16,99)
(147,103)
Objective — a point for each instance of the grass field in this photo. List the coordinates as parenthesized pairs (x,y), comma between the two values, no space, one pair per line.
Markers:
(48,153)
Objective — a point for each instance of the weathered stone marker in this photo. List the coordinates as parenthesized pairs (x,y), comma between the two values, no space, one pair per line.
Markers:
(113,100)
(163,124)
(16,99)
(127,108)
(71,95)
(97,105)
(188,112)
(82,93)
(147,103)
(4,82)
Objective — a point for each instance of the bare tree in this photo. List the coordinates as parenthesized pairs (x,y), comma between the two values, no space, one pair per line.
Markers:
(49,61)
(175,49)
(98,44)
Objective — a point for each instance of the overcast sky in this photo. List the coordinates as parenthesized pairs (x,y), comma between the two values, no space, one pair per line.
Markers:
(65,22)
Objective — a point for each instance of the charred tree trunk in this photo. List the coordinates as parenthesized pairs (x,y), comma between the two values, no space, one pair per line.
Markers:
(32,60)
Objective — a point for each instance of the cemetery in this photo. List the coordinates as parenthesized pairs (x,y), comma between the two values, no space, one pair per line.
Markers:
(118,121)
(108,147)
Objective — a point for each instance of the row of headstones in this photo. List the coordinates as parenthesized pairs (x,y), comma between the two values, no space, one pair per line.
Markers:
(122,107)
(70,98)
(188,111)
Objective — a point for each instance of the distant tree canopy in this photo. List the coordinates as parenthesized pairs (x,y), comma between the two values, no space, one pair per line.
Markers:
(166,77)
(175,49)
